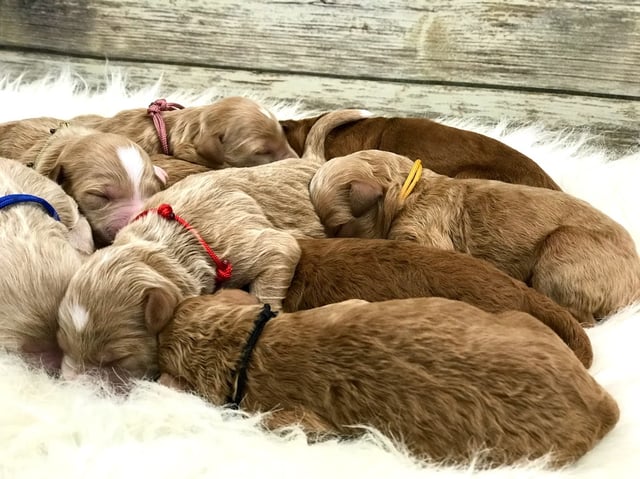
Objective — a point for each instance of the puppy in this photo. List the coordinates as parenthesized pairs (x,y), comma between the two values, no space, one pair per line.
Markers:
(110,315)
(39,256)
(233,131)
(334,270)
(109,175)
(175,168)
(442,377)
(443,149)
(558,244)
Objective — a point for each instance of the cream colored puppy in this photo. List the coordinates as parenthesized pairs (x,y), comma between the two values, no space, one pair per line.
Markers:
(556,243)
(231,132)
(108,175)
(117,302)
(39,256)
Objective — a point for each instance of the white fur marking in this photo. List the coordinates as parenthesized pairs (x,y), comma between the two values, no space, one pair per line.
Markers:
(134,166)
(366,113)
(79,316)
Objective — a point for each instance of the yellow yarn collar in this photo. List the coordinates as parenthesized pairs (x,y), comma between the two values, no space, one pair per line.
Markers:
(412,180)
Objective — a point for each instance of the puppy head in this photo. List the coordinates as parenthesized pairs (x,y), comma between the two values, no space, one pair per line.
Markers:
(239,132)
(110,177)
(113,309)
(358,195)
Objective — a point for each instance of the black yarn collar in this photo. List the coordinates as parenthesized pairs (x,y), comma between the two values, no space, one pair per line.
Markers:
(236,395)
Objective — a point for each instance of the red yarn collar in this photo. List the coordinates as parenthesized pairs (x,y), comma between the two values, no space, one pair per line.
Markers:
(223,267)
(155,111)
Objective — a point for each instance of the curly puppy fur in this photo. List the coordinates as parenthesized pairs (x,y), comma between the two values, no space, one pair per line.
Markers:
(449,151)
(442,377)
(39,256)
(556,243)
(335,270)
(108,175)
(117,302)
(232,132)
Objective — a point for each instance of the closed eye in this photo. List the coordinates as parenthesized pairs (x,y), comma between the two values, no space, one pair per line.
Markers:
(96,199)
(99,194)
(109,361)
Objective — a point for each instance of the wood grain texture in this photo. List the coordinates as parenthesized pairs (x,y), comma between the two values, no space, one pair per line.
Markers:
(581,46)
(614,120)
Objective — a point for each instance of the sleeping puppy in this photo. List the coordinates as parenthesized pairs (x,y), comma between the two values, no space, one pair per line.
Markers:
(449,151)
(39,256)
(110,314)
(445,378)
(108,175)
(558,244)
(334,270)
(231,132)
(175,168)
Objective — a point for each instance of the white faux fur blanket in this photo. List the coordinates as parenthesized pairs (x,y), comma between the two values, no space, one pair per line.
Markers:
(53,429)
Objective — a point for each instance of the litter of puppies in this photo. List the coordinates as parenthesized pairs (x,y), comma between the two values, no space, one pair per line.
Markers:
(436,287)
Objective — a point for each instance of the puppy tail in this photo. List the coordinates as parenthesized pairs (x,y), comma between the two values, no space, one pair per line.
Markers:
(314,144)
(563,323)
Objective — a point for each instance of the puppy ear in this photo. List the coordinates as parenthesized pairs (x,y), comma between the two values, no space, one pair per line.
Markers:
(49,166)
(161,302)
(363,196)
(209,146)
(161,174)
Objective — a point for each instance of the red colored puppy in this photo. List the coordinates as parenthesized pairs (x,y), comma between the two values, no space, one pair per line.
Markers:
(446,150)
(444,377)
(334,270)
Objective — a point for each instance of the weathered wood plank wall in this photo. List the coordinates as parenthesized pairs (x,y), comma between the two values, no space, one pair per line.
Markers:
(566,63)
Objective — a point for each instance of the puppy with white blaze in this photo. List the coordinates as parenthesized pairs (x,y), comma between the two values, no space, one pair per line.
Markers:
(108,175)
(183,245)
(44,241)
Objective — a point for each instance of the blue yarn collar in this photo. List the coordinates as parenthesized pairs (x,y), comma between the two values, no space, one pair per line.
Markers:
(24,198)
